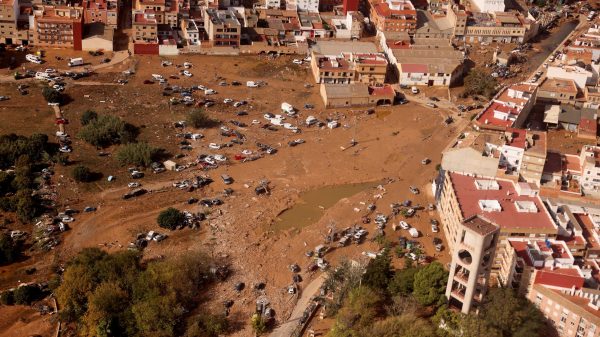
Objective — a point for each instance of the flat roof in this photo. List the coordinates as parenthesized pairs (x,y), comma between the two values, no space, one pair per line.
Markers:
(480,225)
(509,218)
(559,85)
(335,48)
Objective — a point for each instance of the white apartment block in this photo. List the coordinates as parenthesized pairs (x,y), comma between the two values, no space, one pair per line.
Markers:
(590,169)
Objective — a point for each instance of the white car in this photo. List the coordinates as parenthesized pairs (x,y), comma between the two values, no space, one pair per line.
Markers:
(214,146)
(209,92)
(50,71)
(33,58)
(227,100)
(187,65)
(201,87)
(187,73)
(297,61)
(220,157)
(251,84)
(246,152)
(404,225)
(210,160)
(434,228)
(414,90)
(255,121)
(237,104)
(134,185)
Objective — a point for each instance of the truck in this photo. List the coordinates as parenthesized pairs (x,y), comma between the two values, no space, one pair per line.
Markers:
(288,109)
(413,232)
(74,62)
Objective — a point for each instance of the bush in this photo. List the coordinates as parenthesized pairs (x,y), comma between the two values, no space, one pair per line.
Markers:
(258,324)
(138,154)
(199,119)
(107,130)
(9,250)
(82,174)
(170,218)
(7,297)
(88,116)
(478,82)
(207,325)
(51,95)
(27,294)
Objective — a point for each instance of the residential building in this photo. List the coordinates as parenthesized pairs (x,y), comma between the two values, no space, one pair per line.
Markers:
(350,26)
(102,11)
(515,207)
(575,312)
(592,97)
(190,31)
(347,62)
(509,27)
(509,108)
(9,13)
(58,26)
(489,6)
(534,157)
(590,169)
(580,76)
(223,27)
(471,263)
(468,160)
(393,15)
(557,91)
(431,67)
(567,117)
(145,27)
(356,95)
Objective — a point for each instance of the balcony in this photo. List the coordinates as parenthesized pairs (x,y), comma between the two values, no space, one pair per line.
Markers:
(462,277)
(458,294)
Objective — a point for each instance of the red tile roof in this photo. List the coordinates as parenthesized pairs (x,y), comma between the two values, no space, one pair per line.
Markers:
(589,126)
(386,90)
(487,116)
(561,278)
(509,219)
(414,68)
(518,137)
(587,227)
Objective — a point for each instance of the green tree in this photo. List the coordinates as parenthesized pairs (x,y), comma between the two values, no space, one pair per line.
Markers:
(170,218)
(7,297)
(207,325)
(430,284)
(403,281)
(27,294)
(199,119)
(51,95)
(479,82)
(407,325)
(106,312)
(379,272)
(259,326)
(88,116)
(9,250)
(26,206)
(139,154)
(107,130)
(510,315)
(357,313)
(82,174)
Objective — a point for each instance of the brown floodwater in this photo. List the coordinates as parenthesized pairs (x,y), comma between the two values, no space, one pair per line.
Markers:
(312,205)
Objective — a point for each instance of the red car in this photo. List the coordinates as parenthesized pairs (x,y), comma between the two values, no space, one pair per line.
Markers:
(61,121)
(239,157)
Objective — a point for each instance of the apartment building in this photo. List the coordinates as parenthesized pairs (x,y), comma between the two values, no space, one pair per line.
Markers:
(534,157)
(145,27)
(580,76)
(509,108)
(471,263)
(348,62)
(515,207)
(393,15)
(101,11)
(302,5)
(223,27)
(574,312)
(58,26)
(9,13)
(489,6)
(557,91)
(190,31)
(590,169)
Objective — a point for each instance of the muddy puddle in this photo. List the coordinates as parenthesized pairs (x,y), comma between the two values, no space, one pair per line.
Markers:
(313,204)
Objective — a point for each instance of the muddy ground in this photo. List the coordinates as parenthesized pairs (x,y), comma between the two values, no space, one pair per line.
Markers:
(391,144)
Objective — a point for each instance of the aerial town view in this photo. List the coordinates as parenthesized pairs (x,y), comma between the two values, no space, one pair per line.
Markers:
(299,168)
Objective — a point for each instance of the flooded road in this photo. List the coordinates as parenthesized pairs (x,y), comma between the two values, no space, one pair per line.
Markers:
(549,42)
(313,204)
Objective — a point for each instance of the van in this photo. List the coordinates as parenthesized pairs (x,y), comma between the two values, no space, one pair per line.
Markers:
(414,90)
(287,108)
(310,120)
(33,58)
(74,62)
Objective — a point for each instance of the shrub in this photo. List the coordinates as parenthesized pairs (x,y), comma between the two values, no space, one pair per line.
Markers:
(478,82)
(199,119)
(88,116)
(82,174)
(27,294)
(7,297)
(51,95)
(9,250)
(139,154)
(107,130)
(170,218)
